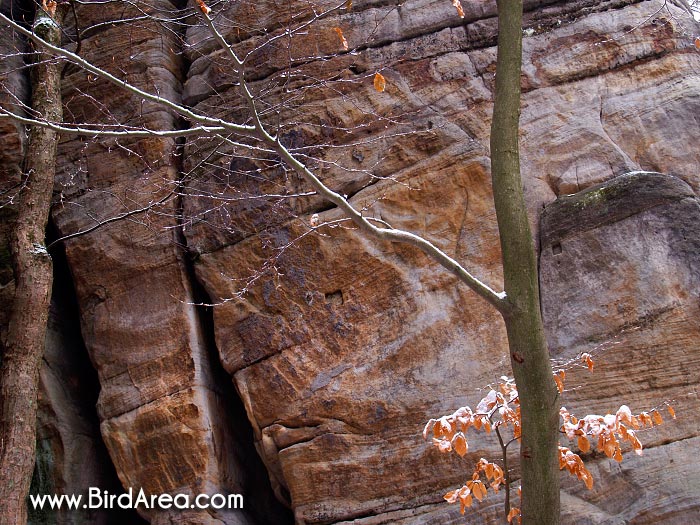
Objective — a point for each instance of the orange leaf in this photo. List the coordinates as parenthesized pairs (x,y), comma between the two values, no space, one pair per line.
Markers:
(610,447)
(478,489)
(203,7)
(348,5)
(465,498)
(459,443)
(671,411)
(588,361)
(697,43)
(379,82)
(497,474)
(442,445)
(656,417)
(451,496)
(514,512)
(636,444)
(444,428)
(49,6)
(618,454)
(583,444)
(559,380)
(458,6)
(340,34)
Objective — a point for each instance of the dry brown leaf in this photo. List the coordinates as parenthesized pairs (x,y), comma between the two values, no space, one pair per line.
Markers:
(203,7)
(458,6)
(618,455)
(340,34)
(559,377)
(49,6)
(459,443)
(514,513)
(379,82)
(583,444)
(451,496)
(588,360)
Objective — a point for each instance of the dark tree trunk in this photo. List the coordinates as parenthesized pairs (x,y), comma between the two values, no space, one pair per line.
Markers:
(31,263)
(528,347)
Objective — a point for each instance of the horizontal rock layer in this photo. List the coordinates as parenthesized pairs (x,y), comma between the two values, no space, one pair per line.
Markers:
(340,347)
(364,342)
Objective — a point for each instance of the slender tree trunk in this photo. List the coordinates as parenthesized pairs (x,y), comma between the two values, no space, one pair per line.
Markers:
(21,359)
(528,347)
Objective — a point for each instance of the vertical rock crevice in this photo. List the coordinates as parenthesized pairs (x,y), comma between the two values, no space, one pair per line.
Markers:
(71,456)
(261,505)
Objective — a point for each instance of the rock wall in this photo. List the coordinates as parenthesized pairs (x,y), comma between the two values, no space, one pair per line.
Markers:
(365,342)
(71,456)
(14,90)
(341,348)
(619,271)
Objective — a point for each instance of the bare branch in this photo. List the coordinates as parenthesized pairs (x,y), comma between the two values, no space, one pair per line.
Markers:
(181,110)
(103,130)
(115,218)
(497,299)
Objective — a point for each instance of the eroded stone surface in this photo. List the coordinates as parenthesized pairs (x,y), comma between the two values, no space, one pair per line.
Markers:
(620,269)
(13,91)
(341,348)
(71,456)
(317,326)
(335,403)
(163,417)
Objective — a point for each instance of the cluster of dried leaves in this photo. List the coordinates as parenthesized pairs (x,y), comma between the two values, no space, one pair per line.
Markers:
(477,488)
(606,433)
(501,408)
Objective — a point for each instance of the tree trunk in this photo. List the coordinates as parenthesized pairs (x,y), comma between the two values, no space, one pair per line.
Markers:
(528,347)
(21,359)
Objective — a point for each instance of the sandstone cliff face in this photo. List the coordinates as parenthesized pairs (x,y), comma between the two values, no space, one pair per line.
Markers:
(341,348)
(619,273)
(14,89)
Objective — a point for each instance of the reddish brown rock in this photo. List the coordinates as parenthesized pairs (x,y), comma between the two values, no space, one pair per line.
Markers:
(163,417)
(13,91)
(338,406)
(342,348)
(71,456)
(620,269)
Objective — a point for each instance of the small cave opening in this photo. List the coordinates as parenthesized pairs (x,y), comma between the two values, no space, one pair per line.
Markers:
(335,297)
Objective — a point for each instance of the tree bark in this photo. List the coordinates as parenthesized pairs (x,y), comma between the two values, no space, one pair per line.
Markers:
(32,267)
(526,337)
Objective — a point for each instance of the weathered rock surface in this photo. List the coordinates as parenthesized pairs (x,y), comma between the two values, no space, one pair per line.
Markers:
(13,91)
(71,456)
(620,269)
(342,348)
(365,342)
(164,416)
